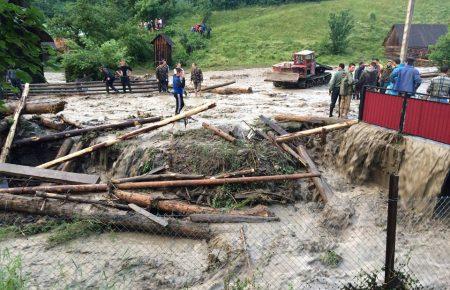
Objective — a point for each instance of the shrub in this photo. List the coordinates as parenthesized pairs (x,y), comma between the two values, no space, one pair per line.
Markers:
(341,26)
(440,52)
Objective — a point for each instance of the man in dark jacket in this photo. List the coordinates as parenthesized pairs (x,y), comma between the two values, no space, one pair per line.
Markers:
(162,74)
(197,79)
(335,85)
(368,78)
(108,78)
(124,72)
(178,90)
(358,73)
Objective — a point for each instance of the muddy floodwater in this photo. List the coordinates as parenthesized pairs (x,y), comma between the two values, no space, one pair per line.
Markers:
(314,246)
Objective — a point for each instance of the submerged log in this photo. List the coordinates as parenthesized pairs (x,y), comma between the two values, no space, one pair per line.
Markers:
(219,132)
(231,91)
(78,132)
(49,123)
(36,108)
(318,130)
(122,220)
(129,135)
(308,118)
(12,131)
(229,218)
(156,184)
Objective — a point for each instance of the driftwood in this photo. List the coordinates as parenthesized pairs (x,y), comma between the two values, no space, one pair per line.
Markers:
(289,150)
(120,219)
(129,135)
(136,178)
(78,132)
(156,184)
(12,131)
(80,200)
(231,91)
(235,173)
(47,174)
(49,123)
(65,148)
(68,166)
(205,89)
(182,207)
(150,177)
(36,108)
(321,185)
(219,132)
(229,218)
(70,122)
(318,130)
(308,118)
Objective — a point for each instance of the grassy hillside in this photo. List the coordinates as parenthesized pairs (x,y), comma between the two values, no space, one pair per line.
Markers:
(259,36)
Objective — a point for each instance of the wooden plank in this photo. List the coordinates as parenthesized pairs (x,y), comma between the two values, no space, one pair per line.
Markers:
(148,215)
(48,174)
(229,218)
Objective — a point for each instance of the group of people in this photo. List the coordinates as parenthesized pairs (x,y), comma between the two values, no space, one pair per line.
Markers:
(109,76)
(202,29)
(395,78)
(179,82)
(152,25)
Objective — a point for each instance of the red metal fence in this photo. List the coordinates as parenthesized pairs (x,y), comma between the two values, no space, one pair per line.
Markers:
(423,118)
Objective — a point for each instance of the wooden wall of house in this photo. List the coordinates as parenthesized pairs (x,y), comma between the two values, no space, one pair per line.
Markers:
(162,50)
(394,52)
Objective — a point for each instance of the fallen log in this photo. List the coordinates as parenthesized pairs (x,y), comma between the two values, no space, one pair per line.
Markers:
(119,219)
(228,218)
(128,135)
(78,132)
(81,200)
(308,118)
(219,132)
(49,123)
(182,207)
(231,91)
(321,185)
(68,166)
(12,131)
(156,184)
(71,123)
(150,177)
(136,178)
(48,175)
(235,173)
(289,150)
(205,89)
(65,148)
(318,130)
(36,108)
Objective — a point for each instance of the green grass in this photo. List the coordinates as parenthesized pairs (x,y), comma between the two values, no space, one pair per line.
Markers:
(331,259)
(261,36)
(78,229)
(11,276)
(13,231)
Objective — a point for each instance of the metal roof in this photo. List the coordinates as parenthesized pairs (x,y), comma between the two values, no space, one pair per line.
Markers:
(421,35)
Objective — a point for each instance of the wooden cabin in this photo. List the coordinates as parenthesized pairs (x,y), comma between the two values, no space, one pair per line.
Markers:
(420,38)
(162,46)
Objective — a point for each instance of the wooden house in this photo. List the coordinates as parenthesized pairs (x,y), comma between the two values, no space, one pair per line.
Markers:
(420,38)
(162,46)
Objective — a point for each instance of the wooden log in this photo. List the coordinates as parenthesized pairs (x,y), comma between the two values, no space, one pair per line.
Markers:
(232,91)
(150,177)
(68,166)
(308,118)
(47,174)
(321,185)
(318,130)
(70,123)
(65,148)
(49,123)
(78,132)
(205,89)
(81,200)
(120,219)
(228,218)
(157,184)
(12,131)
(36,108)
(289,150)
(219,132)
(129,135)
(134,178)
(182,207)
(235,173)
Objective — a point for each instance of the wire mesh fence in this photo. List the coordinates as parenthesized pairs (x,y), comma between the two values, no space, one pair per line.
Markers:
(341,245)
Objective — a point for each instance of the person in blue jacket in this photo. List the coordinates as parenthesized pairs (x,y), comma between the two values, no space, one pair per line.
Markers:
(407,79)
(178,89)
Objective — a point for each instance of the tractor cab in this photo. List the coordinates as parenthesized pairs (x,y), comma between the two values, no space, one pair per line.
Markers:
(305,62)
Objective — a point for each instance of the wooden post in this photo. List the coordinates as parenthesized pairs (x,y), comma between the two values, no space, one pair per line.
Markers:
(406,30)
(129,135)
(219,132)
(12,130)
(389,274)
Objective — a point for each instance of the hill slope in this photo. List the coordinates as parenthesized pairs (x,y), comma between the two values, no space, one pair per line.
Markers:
(259,36)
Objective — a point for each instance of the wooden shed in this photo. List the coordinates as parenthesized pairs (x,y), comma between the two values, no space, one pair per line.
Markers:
(162,45)
(420,38)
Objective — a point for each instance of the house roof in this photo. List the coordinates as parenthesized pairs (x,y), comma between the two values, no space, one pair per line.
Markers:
(166,38)
(421,35)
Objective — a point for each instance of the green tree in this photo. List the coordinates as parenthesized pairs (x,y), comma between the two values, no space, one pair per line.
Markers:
(440,52)
(341,26)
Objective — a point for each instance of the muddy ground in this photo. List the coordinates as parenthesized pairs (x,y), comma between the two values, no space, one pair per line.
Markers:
(290,254)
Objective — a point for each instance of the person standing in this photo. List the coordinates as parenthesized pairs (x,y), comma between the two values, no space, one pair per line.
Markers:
(334,86)
(439,89)
(124,72)
(346,91)
(386,75)
(358,74)
(197,79)
(162,74)
(14,81)
(178,90)
(108,78)
(407,79)
(368,78)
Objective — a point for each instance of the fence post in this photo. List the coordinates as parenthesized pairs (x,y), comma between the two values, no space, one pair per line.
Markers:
(361,104)
(389,277)
(402,117)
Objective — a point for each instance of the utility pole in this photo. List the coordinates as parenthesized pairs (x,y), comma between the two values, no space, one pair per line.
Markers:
(406,30)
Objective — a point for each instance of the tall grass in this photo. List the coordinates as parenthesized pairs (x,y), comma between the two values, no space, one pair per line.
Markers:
(11,276)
